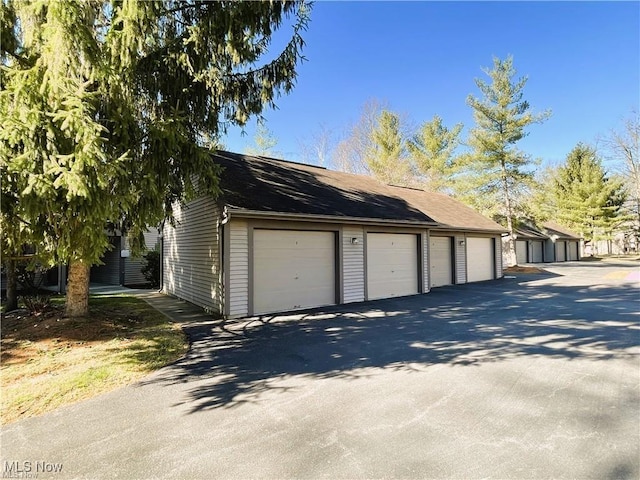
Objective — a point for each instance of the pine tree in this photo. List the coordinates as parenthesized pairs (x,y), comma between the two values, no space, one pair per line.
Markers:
(386,156)
(585,199)
(106,104)
(497,170)
(431,150)
(14,235)
(264,141)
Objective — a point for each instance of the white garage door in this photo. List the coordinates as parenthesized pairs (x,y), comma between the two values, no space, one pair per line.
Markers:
(560,252)
(537,252)
(480,259)
(521,252)
(293,269)
(392,265)
(573,250)
(440,258)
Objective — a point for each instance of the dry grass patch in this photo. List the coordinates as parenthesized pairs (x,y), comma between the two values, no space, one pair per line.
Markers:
(521,269)
(48,360)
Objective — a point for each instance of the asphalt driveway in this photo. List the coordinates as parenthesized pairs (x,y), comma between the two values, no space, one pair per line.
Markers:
(536,377)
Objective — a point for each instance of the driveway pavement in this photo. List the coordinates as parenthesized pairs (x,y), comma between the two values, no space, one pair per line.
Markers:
(536,376)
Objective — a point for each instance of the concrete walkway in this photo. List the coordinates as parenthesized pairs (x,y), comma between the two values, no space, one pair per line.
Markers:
(104,289)
(534,377)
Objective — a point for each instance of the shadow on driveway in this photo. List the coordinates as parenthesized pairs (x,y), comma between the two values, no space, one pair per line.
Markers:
(466,325)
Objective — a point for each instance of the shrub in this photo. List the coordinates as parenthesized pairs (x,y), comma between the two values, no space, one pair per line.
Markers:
(151,268)
(37,304)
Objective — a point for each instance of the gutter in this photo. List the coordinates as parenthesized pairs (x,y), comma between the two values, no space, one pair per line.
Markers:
(441,226)
(229,211)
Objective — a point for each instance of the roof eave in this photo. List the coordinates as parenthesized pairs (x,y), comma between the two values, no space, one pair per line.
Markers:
(303,217)
(458,228)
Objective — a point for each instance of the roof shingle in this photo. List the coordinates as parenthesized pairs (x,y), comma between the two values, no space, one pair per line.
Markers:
(555,229)
(269,185)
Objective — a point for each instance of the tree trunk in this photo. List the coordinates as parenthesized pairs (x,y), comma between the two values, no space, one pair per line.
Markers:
(78,290)
(511,243)
(12,286)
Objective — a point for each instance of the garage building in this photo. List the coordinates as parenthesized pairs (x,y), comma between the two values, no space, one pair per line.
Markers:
(530,245)
(285,236)
(562,245)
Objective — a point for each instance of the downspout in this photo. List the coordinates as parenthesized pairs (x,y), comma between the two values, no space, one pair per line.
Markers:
(161,237)
(224,271)
(121,258)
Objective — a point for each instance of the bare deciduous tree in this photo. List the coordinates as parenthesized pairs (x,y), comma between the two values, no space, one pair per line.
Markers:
(318,150)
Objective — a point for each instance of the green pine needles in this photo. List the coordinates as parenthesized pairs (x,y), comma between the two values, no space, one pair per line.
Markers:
(584,197)
(498,168)
(105,106)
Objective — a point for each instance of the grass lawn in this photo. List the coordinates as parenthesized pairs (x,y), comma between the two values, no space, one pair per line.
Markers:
(47,360)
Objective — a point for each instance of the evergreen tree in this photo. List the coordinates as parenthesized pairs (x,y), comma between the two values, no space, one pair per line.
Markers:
(537,204)
(265,141)
(431,150)
(497,170)
(105,106)
(585,199)
(14,235)
(386,155)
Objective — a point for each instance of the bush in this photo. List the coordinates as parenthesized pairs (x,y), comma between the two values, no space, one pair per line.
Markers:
(151,268)
(37,304)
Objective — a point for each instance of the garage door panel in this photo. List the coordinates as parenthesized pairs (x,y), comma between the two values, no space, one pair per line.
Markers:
(521,252)
(441,261)
(480,259)
(293,270)
(537,252)
(392,265)
(560,252)
(572,250)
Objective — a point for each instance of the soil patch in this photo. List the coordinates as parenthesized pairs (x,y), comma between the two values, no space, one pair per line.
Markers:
(48,360)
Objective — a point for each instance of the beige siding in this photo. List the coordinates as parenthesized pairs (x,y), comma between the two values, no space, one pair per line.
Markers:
(498,244)
(238,288)
(133,265)
(191,260)
(461,259)
(353,264)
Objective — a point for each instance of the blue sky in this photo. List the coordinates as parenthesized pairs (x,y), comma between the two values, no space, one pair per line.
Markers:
(421,58)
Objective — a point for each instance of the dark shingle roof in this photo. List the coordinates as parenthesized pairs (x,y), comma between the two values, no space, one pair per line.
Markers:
(527,232)
(554,229)
(277,186)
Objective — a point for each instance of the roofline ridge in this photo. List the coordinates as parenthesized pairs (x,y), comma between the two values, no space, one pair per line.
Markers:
(271,159)
(404,186)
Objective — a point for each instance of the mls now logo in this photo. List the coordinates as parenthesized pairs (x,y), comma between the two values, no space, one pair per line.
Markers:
(29,469)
